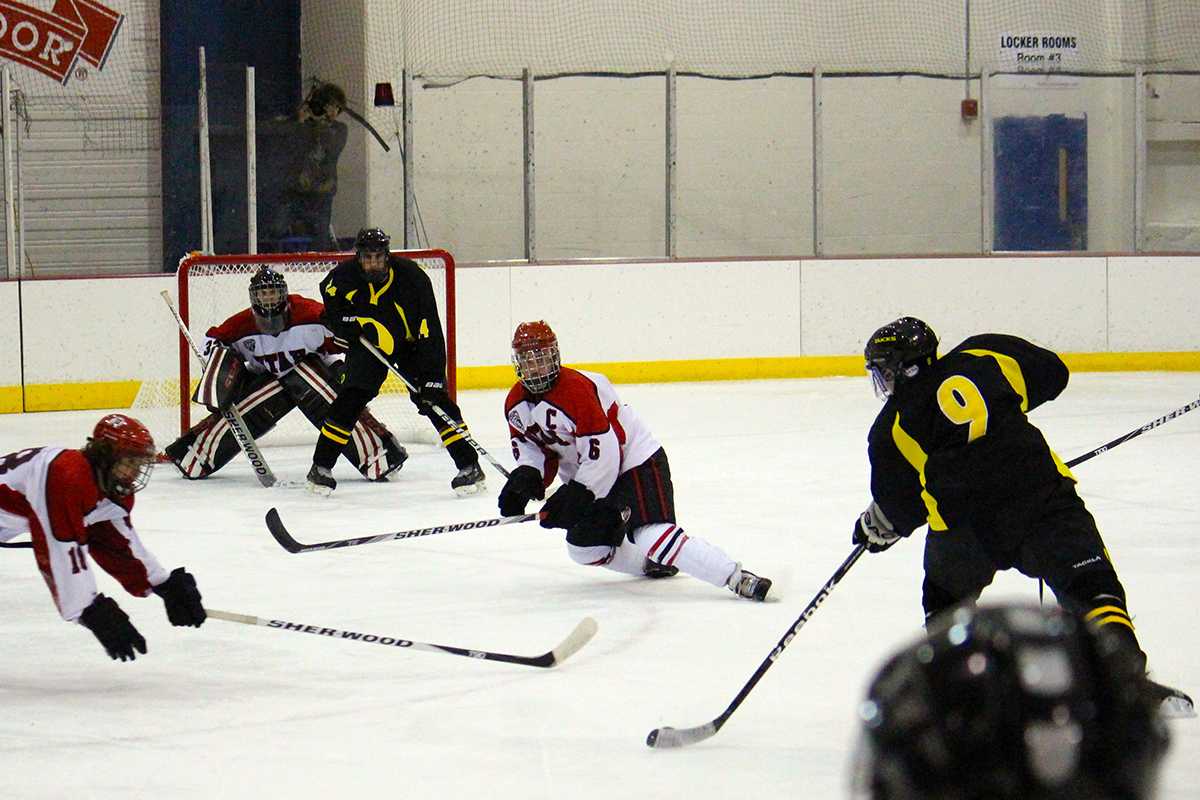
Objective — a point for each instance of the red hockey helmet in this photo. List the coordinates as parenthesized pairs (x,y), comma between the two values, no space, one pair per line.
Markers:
(535,356)
(122,452)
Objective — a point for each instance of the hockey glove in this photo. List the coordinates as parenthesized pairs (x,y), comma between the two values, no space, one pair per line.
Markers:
(112,627)
(433,393)
(182,599)
(602,524)
(566,506)
(523,485)
(874,530)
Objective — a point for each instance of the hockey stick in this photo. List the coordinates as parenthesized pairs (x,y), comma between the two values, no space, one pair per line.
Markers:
(461,428)
(17,545)
(234,417)
(576,639)
(680,737)
(277,529)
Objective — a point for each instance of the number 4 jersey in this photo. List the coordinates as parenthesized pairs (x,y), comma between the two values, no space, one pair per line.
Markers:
(953,445)
(579,428)
(52,494)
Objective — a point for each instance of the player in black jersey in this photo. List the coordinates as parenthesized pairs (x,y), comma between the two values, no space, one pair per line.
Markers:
(953,448)
(388,301)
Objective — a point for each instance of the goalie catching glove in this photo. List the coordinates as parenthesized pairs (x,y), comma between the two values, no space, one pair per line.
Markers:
(874,530)
(523,485)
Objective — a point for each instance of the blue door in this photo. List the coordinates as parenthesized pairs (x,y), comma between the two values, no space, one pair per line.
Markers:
(1041,183)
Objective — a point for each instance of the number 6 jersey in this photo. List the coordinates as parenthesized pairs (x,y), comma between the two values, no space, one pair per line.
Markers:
(51,493)
(579,428)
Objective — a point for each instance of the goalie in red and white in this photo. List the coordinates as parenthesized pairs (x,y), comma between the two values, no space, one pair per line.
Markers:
(616,501)
(268,359)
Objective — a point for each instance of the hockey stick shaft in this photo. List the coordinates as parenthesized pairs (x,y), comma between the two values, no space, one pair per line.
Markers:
(230,413)
(1149,426)
(460,427)
(576,639)
(276,527)
(678,737)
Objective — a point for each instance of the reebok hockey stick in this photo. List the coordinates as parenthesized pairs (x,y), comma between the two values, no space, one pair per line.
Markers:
(461,428)
(236,424)
(576,639)
(680,737)
(277,529)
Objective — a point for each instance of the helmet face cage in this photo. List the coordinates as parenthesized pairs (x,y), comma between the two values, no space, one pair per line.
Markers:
(1010,703)
(123,453)
(535,356)
(269,300)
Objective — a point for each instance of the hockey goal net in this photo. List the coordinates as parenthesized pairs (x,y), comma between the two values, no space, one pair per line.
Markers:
(210,289)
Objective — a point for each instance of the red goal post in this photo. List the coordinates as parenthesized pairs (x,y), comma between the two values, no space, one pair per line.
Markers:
(211,288)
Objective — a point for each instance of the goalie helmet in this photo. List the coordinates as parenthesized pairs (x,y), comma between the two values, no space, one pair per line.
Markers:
(121,451)
(535,356)
(1010,703)
(897,352)
(269,300)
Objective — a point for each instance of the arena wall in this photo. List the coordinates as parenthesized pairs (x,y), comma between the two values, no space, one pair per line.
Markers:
(91,343)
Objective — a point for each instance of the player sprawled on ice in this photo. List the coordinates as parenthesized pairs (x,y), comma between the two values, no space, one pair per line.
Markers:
(616,500)
(389,302)
(952,448)
(77,505)
(268,359)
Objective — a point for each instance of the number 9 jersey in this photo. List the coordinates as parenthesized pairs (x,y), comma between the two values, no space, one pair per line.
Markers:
(953,445)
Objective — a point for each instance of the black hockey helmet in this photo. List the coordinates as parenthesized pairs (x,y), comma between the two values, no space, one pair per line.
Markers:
(372,240)
(897,352)
(269,299)
(1012,702)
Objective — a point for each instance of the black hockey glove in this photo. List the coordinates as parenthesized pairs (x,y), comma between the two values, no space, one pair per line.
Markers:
(433,393)
(566,506)
(874,530)
(182,599)
(602,524)
(523,485)
(112,627)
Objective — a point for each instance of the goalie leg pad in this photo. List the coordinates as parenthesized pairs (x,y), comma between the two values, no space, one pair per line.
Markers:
(211,444)
(370,446)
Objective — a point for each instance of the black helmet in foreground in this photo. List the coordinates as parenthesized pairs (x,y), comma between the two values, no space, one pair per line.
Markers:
(898,351)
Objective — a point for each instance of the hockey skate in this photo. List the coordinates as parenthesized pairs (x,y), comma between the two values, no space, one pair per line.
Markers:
(748,585)
(1173,704)
(320,481)
(469,480)
(652,569)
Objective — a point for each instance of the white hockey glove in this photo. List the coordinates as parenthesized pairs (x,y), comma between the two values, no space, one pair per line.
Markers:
(874,530)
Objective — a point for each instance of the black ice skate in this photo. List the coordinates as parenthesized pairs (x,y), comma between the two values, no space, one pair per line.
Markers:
(748,585)
(469,480)
(652,569)
(1173,704)
(320,481)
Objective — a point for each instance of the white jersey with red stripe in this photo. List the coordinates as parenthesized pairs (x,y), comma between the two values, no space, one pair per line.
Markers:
(277,354)
(579,429)
(51,493)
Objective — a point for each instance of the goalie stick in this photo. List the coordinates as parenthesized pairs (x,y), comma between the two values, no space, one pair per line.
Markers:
(576,639)
(234,417)
(277,529)
(666,736)
(461,428)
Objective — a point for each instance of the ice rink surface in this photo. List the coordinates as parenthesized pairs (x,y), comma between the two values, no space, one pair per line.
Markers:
(775,472)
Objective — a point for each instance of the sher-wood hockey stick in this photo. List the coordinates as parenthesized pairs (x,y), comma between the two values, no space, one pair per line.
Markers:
(461,428)
(576,639)
(277,529)
(234,417)
(680,737)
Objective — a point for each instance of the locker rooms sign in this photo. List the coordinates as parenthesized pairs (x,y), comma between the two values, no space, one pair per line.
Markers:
(51,42)
(1039,52)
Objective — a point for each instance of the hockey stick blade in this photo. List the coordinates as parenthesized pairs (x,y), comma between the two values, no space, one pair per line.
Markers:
(576,639)
(680,737)
(288,542)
